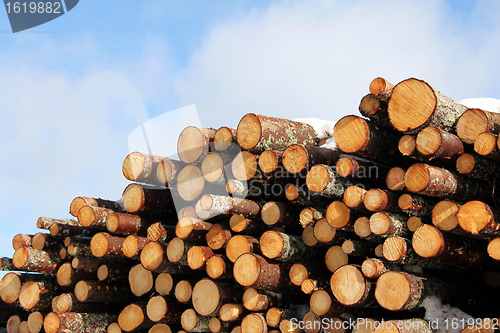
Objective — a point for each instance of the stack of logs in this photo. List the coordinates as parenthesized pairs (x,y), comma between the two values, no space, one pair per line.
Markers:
(263,228)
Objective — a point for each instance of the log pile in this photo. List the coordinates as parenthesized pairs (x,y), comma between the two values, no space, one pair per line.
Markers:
(264,228)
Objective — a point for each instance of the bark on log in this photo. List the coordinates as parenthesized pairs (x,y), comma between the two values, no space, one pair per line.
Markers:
(259,133)
(356,248)
(439,182)
(322,180)
(209,296)
(165,310)
(68,302)
(127,224)
(280,214)
(375,109)
(80,202)
(11,284)
(97,291)
(79,249)
(311,215)
(37,295)
(372,268)
(74,322)
(478,218)
(416,205)
(219,267)
(218,236)
(388,224)
(46,242)
(350,287)
(251,270)
(31,260)
(240,244)
(46,222)
(476,121)
(438,144)
(113,272)
(65,230)
(177,250)
(133,245)
(142,199)
(194,143)
(105,245)
(133,318)
(191,229)
(67,276)
(249,226)
(285,248)
(140,167)
(193,322)
(219,204)
(477,166)
(414,104)
(298,158)
(7,265)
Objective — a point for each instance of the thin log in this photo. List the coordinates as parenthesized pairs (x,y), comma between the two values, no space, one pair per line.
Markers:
(79,249)
(154,258)
(133,245)
(275,315)
(439,144)
(218,236)
(159,232)
(407,146)
(377,200)
(140,280)
(252,270)
(285,248)
(224,138)
(217,326)
(127,224)
(259,133)
(231,312)
(177,250)
(67,276)
(31,260)
(165,310)
(476,166)
(414,104)
(335,258)
(414,222)
(42,241)
(270,161)
(395,179)
(198,256)
(356,248)
(240,244)
(168,171)
(140,167)
(80,202)
(322,180)
(150,200)
(209,296)
(326,234)
(37,295)
(381,88)
(280,214)
(65,230)
(360,169)
(105,245)
(486,145)
(261,300)
(416,205)
(323,303)
(372,268)
(133,318)
(300,272)
(298,158)
(350,287)
(113,272)
(310,215)
(353,197)
(476,121)
(193,322)
(194,143)
(478,218)
(444,215)
(375,109)
(97,291)
(7,265)
(68,302)
(21,240)
(388,224)
(219,204)
(239,223)
(308,236)
(75,322)
(183,291)
(219,267)
(254,323)
(191,229)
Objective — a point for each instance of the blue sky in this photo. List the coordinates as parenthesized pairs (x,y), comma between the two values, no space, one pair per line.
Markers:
(73,89)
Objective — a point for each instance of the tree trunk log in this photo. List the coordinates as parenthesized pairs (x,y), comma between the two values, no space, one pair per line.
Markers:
(224,138)
(168,170)
(165,310)
(356,248)
(194,143)
(353,197)
(67,276)
(350,287)
(219,267)
(31,260)
(231,312)
(444,215)
(80,202)
(133,245)
(377,200)
(327,234)
(69,303)
(335,258)
(477,166)
(46,222)
(299,158)
(395,179)
(323,304)
(438,144)
(270,161)
(177,250)
(133,318)
(322,180)
(240,244)
(486,145)
(96,291)
(478,218)
(381,88)
(35,322)
(37,295)
(308,270)
(219,204)
(191,229)
(64,230)
(244,166)
(139,167)
(372,268)
(360,169)
(105,245)
(388,224)
(254,323)
(416,205)
(280,214)
(251,270)
(209,296)
(285,248)
(46,242)
(147,200)
(198,256)
(375,109)
(127,224)
(193,322)
(22,240)
(113,273)
(140,280)
(476,121)
(11,284)
(154,258)
(74,322)
(310,215)
(414,104)
(158,232)
(218,236)
(261,300)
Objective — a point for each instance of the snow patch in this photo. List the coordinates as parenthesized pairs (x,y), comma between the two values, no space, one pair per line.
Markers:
(323,128)
(443,317)
(486,104)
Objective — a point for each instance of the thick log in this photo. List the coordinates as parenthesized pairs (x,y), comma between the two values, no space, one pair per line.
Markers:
(75,322)
(46,222)
(244,166)
(252,270)
(327,234)
(395,179)
(439,182)
(219,267)
(350,287)
(285,248)
(192,229)
(444,215)
(127,224)
(372,268)
(225,138)
(209,296)
(476,121)
(154,258)
(67,276)
(259,133)
(381,88)
(133,318)
(140,167)
(219,204)
(194,143)
(270,161)
(80,202)
(357,136)
(168,171)
(254,323)
(335,258)
(193,322)
(414,104)
(142,199)
(322,180)
(37,295)
(21,240)
(240,244)
(280,214)
(164,310)
(478,218)
(198,256)
(377,200)
(31,260)
(35,322)
(298,158)
(310,215)
(133,245)
(302,271)
(140,280)
(254,300)
(439,144)
(388,224)
(105,245)
(323,303)
(416,205)
(177,250)
(97,291)
(398,291)
(478,167)
(231,312)
(375,109)
(218,236)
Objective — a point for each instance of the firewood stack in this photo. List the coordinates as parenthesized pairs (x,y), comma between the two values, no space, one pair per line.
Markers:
(263,227)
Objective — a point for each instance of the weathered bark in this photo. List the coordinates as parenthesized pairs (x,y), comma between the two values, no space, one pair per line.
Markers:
(254,323)
(270,161)
(323,304)
(357,136)
(127,224)
(198,256)
(191,229)
(327,234)
(133,318)
(80,202)
(372,268)
(350,287)
(388,224)
(194,143)
(259,133)
(395,179)
(377,200)
(416,205)
(438,144)
(381,88)
(148,200)
(31,260)
(251,270)
(140,280)
(193,322)
(209,296)
(165,310)
(240,244)
(65,230)
(322,180)
(283,247)
(219,267)
(444,215)
(37,295)
(439,182)
(414,104)
(133,245)
(46,222)
(335,258)
(97,291)
(280,214)
(374,108)
(7,265)
(478,218)
(140,167)
(298,158)
(22,240)
(67,276)
(75,322)
(105,245)
(479,167)
(476,121)
(218,204)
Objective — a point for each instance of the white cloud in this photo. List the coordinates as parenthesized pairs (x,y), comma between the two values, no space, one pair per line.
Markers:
(316,59)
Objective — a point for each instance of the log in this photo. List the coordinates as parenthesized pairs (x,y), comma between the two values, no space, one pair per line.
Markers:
(322,303)
(477,166)
(300,272)
(357,136)
(377,200)
(68,302)
(127,224)
(398,291)
(37,295)
(335,258)
(442,183)
(250,226)
(478,218)
(280,214)
(339,215)
(416,205)
(218,236)
(395,179)
(375,109)
(414,104)
(261,300)
(231,312)
(74,322)
(154,258)
(67,276)
(97,291)
(177,250)
(164,283)
(372,268)
(140,280)
(80,249)
(133,245)
(322,180)
(193,322)
(285,248)
(493,249)
(113,272)
(444,215)
(356,248)
(215,325)
(133,318)
(183,291)
(254,323)
(194,143)
(11,284)
(439,144)
(244,166)
(275,315)
(105,245)
(225,138)
(191,229)
(310,215)
(353,197)
(414,222)
(209,296)
(198,256)
(308,236)
(6,264)
(327,234)
(312,322)
(158,232)
(35,322)
(140,167)
(219,267)
(388,224)
(164,310)
(219,204)
(240,244)
(270,161)
(356,168)
(147,200)
(476,121)
(65,230)
(252,270)
(362,228)
(259,133)
(298,158)
(407,146)
(350,287)
(47,222)
(168,171)
(31,260)
(159,328)
(80,202)
(21,240)
(212,169)
(381,88)
(42,241)
(486,145)
(300,194)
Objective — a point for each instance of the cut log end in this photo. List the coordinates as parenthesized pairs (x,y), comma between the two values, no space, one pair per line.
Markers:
(413,223)
(198,256)
(29,294)
(238,245)
(429,140)
(212,167)
(254,323)
(380,223)
(298,273)
(131,317)
(133,165)
(494,248)
(271,244)
(269,161)
(224,138)
(10,286)
(417,177)
(133,198)
(190,182)
(351,134)
(192,144)
(474,216)
(338,214)
(206,297)
(394,248)
(395,179)
(444,215)
(485,143)
(246,269)
(353,196)
(35,322)
(393,291)
(320,302)
(335,258)
(244,166)
(99,245)
(295,158)
(249,131)
(140,280)
(156,308)
(470,124)
(465,163)
(183,291)
(362,227)
(51,323)
(189,319)
(318,178)
(164,284)
(380,86)
(348,285)
(152,256)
